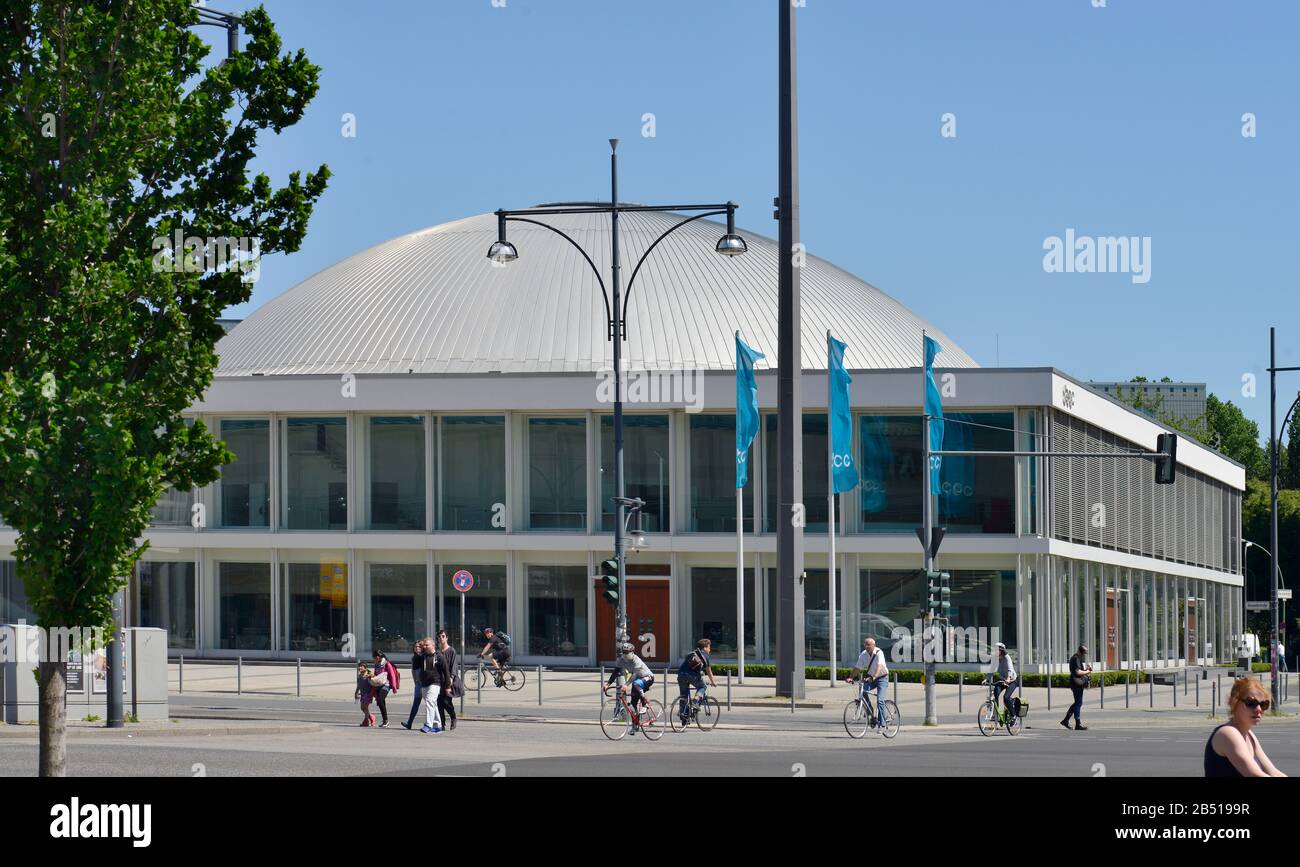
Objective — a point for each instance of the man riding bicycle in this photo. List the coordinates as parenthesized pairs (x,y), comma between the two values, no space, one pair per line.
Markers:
(498,645)
(871,663)
(692,671)
(1004,678)
(636,674)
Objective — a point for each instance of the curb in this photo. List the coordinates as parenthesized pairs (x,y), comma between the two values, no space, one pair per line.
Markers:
(32,731)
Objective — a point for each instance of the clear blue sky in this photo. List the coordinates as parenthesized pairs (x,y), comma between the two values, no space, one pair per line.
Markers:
(1123,120)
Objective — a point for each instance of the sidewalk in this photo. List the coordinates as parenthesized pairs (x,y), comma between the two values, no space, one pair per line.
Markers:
(174,727)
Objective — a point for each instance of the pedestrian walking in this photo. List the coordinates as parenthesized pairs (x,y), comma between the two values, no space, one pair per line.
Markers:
(1079,671)
(365,692)
(417,663)
(1233,750)
(391,679)
(433,674)
(454,689)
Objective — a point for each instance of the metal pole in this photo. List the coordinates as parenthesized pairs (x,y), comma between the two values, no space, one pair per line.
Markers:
(616,335)
(1272,500)
(728,690)
(299,678)
(602,686)
(927,534)
(461,661)
(1102,680)
(539,686)
(1175,690)
(1198,692)
(239,675)
(114,710)
(478,688)
(1214,699)
(1128,675)
(961,681)
(789,537)
(740,581)
(665,686)
(182,690)
(830,511)
(1151,688)
(895,687)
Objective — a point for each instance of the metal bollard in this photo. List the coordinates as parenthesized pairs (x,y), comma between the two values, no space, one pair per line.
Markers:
(1185,674)
(478,688)
(1102,680)
(1151,688)
(299,680)
(602,686)
(1175,689)
(665,686)
(1198,692)
(1049,687)
(895,687)
(539,686)
(239,675)
(961,681)
(792,701)
(728,690)
(1128,675)
(460,676)
(182,673)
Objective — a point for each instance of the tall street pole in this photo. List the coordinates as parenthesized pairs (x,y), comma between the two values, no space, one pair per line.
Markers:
(789,406)
(1272,501)
(927,535)
(620,553)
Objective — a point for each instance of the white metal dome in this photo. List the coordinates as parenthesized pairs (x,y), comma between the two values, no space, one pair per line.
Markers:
(431,302)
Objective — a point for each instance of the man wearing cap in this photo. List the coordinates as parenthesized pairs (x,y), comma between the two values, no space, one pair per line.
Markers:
(1006,677)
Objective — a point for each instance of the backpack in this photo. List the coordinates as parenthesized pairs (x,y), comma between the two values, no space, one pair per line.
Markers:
(394,679)
(505,638)
(694,660)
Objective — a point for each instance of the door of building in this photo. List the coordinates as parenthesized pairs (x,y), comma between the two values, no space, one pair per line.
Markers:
(647,619)
(1191,632)
(1112,629)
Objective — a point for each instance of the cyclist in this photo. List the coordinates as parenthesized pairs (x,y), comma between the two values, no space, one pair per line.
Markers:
(695,665)
(498,645)
(875,674)
(1004,678)
(636,674)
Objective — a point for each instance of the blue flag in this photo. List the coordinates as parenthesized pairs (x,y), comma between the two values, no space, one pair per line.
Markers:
(934,409)
(746,407)
(844,474)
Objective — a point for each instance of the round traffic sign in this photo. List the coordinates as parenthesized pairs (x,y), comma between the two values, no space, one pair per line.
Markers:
(463,581)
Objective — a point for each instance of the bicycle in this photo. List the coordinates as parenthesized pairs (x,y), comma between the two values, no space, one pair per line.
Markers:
(860,715)
(618,718)
(510,678)
(993,715)
(704,712)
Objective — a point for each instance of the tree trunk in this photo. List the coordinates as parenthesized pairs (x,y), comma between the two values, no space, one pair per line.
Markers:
(53,719)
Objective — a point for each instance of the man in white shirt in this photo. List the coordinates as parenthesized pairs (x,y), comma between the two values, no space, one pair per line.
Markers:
(1005,676)
(875,674)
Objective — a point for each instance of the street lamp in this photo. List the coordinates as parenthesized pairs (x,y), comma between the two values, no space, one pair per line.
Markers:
(1273,371)
(503,252)
(225,20)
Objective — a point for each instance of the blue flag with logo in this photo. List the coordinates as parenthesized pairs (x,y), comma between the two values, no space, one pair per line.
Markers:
(746,407)
(844,474)
(934,409)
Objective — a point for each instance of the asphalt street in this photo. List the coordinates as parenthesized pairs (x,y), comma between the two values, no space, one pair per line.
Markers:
(568,742)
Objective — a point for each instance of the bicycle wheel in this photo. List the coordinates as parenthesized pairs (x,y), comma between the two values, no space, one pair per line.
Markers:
(653,723)
(513,679)
(893,719)
(680,704)
(987,719)
(856,720)
(614,720)
(476,678)
(1014,725)
(708,714)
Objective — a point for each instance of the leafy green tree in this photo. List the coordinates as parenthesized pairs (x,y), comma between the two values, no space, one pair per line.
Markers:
(115,135)
(1230,432)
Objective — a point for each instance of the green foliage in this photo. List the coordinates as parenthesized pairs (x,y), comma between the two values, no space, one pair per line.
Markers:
(130,717)
(91,717)
(115,135)
(1255,527)
(1230,432)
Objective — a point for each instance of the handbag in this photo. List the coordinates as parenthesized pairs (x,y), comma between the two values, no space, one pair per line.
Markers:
(1080,680)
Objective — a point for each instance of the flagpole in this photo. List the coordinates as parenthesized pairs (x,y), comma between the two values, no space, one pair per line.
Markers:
(830,499)
(931,718)
(740,584)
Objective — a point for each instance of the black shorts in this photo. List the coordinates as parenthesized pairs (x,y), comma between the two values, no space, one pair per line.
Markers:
(502,658)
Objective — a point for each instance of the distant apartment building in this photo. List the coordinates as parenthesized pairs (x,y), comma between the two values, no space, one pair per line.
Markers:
(1179,400)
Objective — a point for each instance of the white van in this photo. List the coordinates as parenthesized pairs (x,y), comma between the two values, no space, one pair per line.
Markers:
(1246,644)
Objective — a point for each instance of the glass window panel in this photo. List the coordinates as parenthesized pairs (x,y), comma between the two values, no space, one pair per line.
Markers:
(816,614)
(473,471)
(557,611)
(166,598)
(889,599)
(398,604)
(314,601)
(557,473)
(890,467)
(13,595)
(978,493)
(315,473)
(485,605)
(396,473)
(713,475)
(646,468)
(172,508)
(986,601)
(814,473)
(244,606)
(713,610)
(245,486)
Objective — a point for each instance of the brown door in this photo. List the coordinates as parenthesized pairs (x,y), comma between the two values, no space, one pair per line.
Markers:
(1112,631)
(1191,631)
(647,620)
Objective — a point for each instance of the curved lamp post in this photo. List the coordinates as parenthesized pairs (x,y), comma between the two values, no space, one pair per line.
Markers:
(503,252)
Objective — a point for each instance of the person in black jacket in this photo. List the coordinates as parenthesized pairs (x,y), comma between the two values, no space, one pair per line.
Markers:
(1079,671)
(446,698)
(433,676)
(417,662)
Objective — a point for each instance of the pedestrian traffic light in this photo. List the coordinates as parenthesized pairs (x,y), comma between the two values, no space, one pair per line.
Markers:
(609,576)
(939,588)
(1167,446)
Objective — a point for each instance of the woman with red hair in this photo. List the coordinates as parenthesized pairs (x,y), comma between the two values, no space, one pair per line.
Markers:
(1233,750)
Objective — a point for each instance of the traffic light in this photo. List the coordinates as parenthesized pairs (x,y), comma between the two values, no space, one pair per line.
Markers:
(939,587)
(609,576)
(1167,446)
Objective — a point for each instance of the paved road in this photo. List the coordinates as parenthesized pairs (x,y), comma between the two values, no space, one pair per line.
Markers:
(566,742)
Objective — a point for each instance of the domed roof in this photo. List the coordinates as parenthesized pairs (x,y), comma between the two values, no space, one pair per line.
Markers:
(432,302)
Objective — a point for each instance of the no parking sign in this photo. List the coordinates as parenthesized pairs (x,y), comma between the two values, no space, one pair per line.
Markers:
(463,581)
